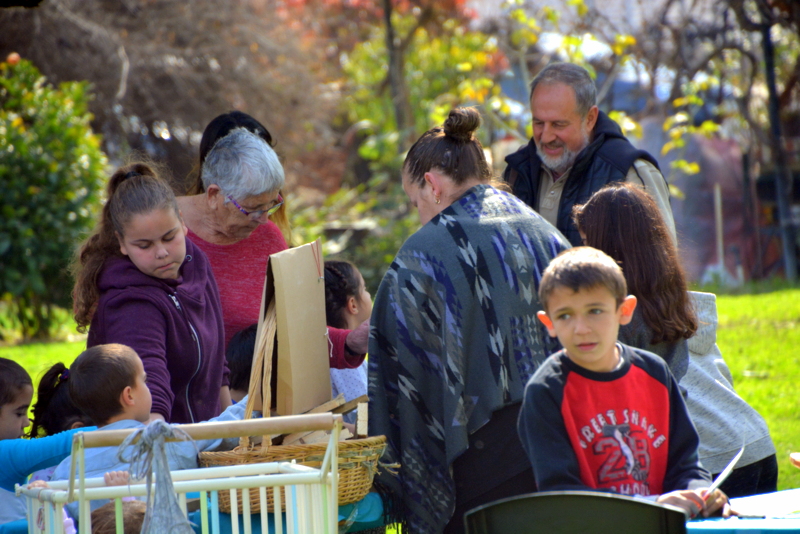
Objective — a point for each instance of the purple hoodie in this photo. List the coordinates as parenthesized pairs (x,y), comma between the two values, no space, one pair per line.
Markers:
(176,328)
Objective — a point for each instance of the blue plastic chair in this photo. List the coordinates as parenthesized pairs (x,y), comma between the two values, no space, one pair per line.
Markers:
(570,512)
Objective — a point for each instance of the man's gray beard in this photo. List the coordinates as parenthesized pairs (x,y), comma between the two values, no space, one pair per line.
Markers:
(564,161)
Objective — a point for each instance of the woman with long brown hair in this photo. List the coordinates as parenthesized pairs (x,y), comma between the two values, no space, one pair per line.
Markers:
(624,222)
(620,221)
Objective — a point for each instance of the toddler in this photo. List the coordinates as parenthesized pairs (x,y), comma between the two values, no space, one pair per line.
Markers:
(108,383)
(20,457)
(347,305)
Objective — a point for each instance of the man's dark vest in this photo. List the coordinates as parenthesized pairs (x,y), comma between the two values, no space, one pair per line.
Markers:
(607,159)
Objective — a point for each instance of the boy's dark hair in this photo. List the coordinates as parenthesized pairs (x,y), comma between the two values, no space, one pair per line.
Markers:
(97,378)
(13,378)
(341,283)
(240,357)
(582,268)
(54,410)
(104,520)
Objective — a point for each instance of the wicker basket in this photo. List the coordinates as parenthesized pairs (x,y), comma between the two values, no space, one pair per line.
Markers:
(358,462)
(358,458)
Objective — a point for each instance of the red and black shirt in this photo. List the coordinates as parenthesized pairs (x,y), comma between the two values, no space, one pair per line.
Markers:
(626,431)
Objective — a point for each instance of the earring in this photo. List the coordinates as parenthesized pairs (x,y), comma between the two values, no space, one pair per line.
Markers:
(438,200)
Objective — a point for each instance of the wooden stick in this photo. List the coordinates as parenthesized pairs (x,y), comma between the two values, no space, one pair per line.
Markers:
(361,421)
(228,429)
(307,438)
(301,437)
(329,406)
(349,406)
(265,336)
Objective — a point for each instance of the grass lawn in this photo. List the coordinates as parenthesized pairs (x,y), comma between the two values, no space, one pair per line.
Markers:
(37,358)
(758,336)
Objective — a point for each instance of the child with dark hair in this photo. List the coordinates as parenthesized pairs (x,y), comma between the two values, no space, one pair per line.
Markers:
(680,326)
(347,305)
(16,392)
(20,457)
(109,384)
(239,355)
(602,415)
(141,283)
(54,410)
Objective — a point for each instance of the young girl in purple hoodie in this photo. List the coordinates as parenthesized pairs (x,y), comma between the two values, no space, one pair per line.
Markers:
(140,282)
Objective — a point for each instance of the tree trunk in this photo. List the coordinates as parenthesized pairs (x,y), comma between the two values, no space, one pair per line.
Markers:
(404,117)
(783,177)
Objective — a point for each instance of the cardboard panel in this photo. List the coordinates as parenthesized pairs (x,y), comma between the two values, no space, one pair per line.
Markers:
(295,279)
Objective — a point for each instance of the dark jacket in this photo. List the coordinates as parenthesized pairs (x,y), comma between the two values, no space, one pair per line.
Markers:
(608,158)
(176,328)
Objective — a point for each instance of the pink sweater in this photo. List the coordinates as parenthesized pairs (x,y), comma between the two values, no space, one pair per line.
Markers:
(240,269)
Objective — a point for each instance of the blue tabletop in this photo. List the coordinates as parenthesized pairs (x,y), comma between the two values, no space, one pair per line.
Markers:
(735,525)
(770,512)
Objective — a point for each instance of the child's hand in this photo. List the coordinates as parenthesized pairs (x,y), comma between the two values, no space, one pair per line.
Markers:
(38,484)
(694,504)
(795,459)
(715,501)
(116,478)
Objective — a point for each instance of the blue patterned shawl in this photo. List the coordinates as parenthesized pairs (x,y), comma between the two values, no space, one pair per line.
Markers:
(454,337)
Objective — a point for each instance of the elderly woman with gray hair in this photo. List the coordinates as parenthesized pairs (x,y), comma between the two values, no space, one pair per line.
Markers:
(230,222)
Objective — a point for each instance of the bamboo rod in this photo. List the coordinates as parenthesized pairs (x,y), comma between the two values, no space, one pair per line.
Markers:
(226,429)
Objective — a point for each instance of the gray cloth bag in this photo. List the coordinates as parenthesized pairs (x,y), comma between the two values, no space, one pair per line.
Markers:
(149,455)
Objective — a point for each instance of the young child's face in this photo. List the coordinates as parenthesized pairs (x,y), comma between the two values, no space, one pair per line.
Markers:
(141,395)
(155,242)
(14,415)
(587,323)
(365,310)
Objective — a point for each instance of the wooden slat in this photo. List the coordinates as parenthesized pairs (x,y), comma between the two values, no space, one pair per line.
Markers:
(361,422)
(329,406)
(228,429)
(349,406)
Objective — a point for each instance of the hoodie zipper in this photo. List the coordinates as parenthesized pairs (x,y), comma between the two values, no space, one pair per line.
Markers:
(199,352)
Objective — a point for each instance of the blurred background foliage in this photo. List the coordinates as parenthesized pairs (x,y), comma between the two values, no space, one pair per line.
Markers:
(345,86)
(52,170)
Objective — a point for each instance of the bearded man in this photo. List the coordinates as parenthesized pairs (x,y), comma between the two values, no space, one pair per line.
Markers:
(576,149)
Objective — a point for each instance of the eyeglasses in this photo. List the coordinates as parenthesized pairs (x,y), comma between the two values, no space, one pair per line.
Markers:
(259,213)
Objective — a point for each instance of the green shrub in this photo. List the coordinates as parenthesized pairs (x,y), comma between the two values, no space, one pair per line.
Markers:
(51,166)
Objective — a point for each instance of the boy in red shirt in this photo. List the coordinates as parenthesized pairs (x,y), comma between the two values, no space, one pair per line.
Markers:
(602,415)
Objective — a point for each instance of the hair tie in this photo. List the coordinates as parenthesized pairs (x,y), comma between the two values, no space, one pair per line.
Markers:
(64,375)
(188,257)
(131,174)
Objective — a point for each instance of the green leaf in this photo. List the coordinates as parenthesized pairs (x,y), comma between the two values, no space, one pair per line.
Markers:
(51,168)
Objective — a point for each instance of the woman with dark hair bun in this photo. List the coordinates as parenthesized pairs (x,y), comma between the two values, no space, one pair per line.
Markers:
(454,335)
